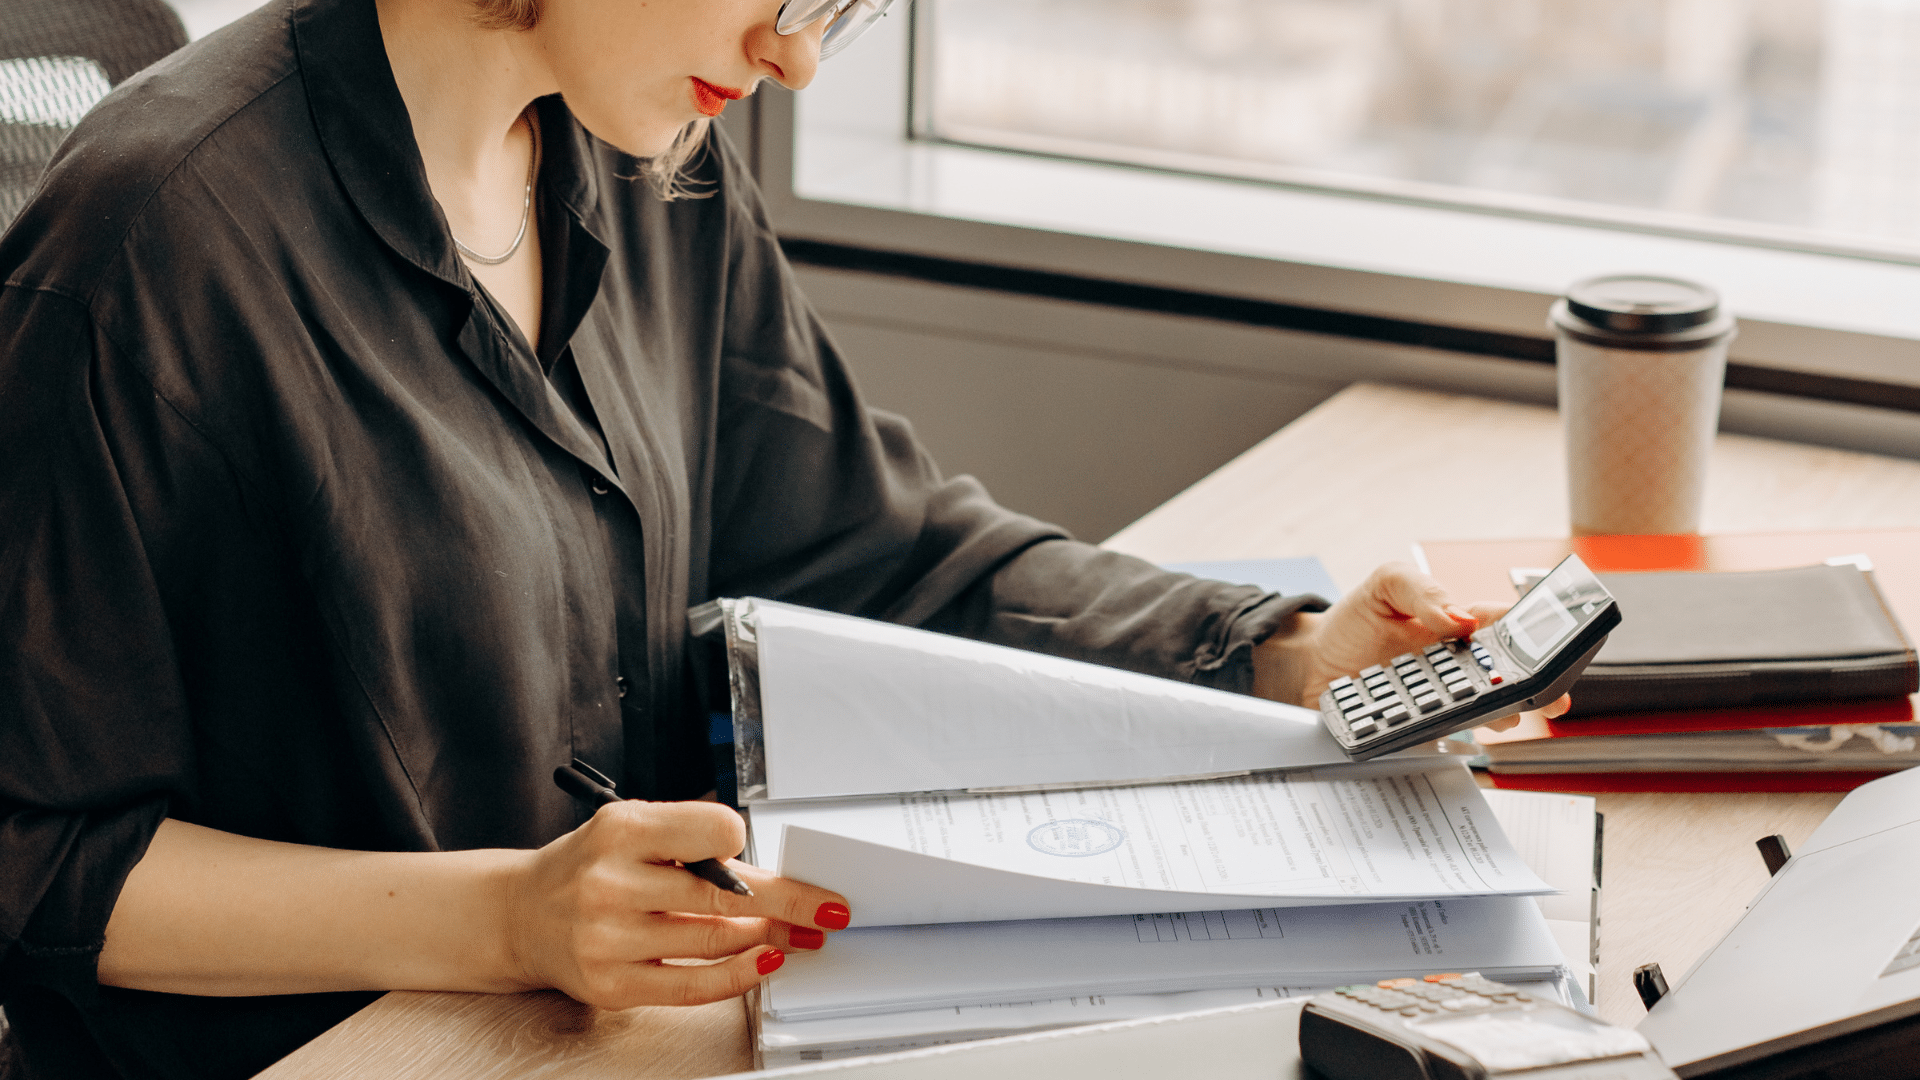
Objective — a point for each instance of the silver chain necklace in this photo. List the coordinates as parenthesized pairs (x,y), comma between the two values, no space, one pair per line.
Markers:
(526,205)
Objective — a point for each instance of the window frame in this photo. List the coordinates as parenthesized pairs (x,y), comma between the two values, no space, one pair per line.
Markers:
(849,185)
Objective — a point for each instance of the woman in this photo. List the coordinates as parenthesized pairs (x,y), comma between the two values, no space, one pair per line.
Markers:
(368,429)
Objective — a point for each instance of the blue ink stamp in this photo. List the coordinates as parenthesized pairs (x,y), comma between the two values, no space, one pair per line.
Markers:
(1075,838)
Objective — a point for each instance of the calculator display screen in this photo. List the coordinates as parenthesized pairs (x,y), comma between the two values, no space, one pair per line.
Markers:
(1548,615)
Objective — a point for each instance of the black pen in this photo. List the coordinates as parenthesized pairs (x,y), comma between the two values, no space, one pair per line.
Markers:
(584,782)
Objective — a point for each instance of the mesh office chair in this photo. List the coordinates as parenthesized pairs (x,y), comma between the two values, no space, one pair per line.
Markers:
(57,58)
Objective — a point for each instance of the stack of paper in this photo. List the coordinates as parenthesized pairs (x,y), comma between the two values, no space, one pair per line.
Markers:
(1094,895)
(1350,834)
(1556,834)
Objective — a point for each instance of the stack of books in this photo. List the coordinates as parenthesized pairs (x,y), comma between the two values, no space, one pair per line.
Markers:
(1028,842)
(1827,724)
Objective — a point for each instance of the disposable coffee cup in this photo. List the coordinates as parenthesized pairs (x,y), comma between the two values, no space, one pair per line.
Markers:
(1642,360)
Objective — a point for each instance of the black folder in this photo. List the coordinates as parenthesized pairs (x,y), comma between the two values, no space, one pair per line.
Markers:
(1702,640)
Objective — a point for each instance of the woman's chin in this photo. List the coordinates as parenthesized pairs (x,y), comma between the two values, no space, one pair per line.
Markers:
(642,142)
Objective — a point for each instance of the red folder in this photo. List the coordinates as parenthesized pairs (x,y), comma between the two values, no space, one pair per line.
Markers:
(1683,782)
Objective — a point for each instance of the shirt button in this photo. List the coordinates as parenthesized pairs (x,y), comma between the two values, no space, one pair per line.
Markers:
(598,488)
(621,685)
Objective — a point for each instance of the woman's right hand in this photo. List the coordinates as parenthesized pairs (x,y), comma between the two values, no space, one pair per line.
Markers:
(597,911)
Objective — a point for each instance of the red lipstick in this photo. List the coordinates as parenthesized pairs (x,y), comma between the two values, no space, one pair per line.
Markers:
(711,100)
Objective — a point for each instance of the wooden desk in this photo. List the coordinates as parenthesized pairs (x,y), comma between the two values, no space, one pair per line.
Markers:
(1375,469)
(1356,482)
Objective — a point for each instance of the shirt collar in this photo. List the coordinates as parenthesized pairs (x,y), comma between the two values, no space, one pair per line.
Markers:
(368,137)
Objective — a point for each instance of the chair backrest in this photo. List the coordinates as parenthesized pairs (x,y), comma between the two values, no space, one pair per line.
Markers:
(57,58)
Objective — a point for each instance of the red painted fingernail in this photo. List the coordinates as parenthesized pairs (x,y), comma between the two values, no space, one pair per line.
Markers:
(770,961)
(806,937)
(833,916)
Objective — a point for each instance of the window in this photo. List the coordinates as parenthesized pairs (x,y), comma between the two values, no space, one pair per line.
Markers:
(1791,120)
(872,158)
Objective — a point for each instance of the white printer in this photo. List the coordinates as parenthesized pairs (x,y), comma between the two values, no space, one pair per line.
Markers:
(1821,977)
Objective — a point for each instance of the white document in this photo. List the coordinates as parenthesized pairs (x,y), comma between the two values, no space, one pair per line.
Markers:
(1558,836)
(929,1027)
(925,1027)
(1326,836)
(898,968)
(859,707)
(1239,1042)
(1555,835)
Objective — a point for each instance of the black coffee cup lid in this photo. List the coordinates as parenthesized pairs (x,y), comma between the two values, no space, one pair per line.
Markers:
(1644,312)
(1643,303)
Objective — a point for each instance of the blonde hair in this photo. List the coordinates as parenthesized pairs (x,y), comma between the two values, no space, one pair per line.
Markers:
(670,173)
(506,14)
(665,173)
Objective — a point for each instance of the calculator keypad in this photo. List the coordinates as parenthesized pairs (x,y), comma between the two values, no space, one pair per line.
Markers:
(1433,995)
(1411,685)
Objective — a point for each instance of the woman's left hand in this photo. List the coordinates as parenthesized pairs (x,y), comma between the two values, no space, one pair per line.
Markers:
(1396,610)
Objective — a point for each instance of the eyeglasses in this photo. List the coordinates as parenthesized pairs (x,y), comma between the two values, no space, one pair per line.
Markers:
(846,20)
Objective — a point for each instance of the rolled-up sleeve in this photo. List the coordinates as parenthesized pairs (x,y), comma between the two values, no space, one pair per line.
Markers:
(93,734)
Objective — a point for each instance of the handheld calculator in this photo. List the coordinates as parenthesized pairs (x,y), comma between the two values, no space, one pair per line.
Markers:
(1464,1027)
(1524,660)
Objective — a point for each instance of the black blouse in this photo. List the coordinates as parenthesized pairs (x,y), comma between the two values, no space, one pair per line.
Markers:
(300,539)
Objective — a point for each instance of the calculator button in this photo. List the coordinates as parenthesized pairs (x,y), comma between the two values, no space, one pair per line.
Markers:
(1368,673)
(1427,702)
(1394,714)
(1458,690)
(1339,684)
(1496,678)
(1346,695)
(1362,728)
